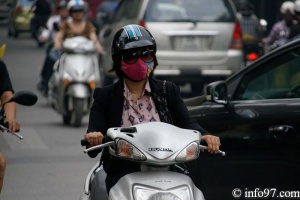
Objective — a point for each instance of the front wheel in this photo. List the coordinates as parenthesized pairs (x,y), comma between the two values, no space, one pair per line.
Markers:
(77,112)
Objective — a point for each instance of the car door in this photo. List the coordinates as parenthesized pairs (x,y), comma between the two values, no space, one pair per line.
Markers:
(259,130)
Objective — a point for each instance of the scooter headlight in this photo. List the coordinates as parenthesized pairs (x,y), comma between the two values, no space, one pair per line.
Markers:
(145,193)
(191,152)
(127,150)
(92,82)
(67,78)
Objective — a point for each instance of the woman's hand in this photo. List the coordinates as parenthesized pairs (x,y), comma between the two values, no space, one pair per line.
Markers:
(13,125)
(213,143)
(94,138)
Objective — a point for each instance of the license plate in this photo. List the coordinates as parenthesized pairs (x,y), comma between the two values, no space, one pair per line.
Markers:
(188,43)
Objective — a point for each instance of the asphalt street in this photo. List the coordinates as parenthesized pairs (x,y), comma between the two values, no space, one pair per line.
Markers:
(49,163)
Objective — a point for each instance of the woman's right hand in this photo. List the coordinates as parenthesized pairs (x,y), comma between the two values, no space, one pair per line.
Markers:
(94,138)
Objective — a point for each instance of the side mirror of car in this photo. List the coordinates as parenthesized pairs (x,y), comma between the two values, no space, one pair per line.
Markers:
(217,92)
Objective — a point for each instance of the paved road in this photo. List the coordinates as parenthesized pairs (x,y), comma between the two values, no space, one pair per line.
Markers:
(49,163)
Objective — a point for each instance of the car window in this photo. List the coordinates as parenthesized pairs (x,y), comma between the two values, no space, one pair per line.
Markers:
(189,10)
(276,79)
(128,9)
(26,2)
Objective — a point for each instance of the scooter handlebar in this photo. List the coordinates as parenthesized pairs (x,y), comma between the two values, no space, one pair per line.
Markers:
(3,127)
(84,142)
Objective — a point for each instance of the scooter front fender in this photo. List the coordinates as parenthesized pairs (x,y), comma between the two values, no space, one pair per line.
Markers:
(78,90)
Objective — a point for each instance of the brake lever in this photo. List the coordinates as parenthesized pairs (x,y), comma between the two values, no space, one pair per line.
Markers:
(101,146)
(205,148)
(3,128)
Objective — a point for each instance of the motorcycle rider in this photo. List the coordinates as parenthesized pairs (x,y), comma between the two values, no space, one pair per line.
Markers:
(281,30)
(42,10)
(6,92)
(136,98)
(48,34)
(250,28)
(248,20)
(295,31)
(54,22)
(79,26)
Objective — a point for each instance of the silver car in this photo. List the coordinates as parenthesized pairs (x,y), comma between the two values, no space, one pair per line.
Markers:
(198,41)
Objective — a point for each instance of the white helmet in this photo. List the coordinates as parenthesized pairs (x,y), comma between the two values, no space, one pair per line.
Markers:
(76,5)
(297,6)
(287,6)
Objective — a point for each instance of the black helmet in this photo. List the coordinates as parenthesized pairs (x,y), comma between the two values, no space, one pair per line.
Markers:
(245,8)
(130,37)
(62,4)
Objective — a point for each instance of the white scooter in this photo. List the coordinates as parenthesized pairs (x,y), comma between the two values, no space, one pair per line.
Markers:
(76,74)
(157,146)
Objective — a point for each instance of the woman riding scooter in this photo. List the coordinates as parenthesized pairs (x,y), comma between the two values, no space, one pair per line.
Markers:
(136,98)
(77,27)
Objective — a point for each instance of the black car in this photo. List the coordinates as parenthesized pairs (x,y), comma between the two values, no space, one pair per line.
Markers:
(256,114)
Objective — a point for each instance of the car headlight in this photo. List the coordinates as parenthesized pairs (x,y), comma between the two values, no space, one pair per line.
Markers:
(145,193)
(127,150)
(191,152)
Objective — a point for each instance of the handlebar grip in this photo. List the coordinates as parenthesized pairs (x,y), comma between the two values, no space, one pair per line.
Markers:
(84,142)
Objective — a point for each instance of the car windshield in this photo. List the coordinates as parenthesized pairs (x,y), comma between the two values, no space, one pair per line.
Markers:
(26,2)
(189,11)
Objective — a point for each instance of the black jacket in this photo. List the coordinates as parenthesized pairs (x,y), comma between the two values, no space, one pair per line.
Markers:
(5,82)
(107,108)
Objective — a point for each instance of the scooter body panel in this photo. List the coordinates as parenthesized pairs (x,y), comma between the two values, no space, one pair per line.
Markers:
(158,181)
(81,68)
(79,90)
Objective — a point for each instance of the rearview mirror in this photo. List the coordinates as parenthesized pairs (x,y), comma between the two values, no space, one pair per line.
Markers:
(25,98)
(217,92)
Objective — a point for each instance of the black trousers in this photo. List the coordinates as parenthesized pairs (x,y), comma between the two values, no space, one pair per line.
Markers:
(47,68)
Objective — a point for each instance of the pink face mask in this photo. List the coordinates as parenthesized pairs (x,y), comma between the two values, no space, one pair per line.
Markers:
(139,70)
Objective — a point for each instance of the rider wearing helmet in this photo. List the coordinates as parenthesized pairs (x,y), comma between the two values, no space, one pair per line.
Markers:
(136,98)
(295,31)
(281,30)
(79,26)
(54,21)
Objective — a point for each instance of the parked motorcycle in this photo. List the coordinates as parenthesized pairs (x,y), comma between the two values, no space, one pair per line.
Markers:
(24,98)
(157,150)
(76,74)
